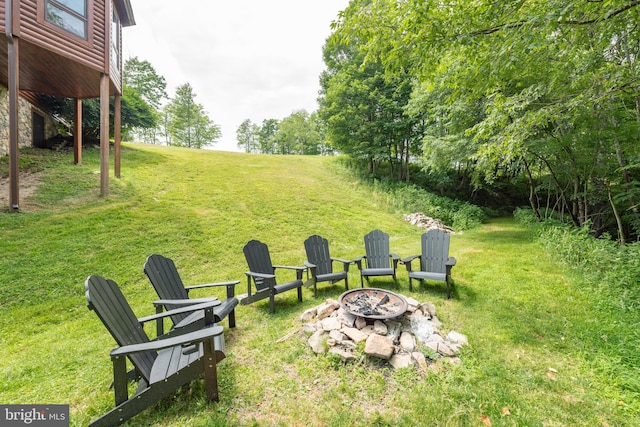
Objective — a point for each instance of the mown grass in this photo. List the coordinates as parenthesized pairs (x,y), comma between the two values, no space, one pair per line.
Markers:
(532,359)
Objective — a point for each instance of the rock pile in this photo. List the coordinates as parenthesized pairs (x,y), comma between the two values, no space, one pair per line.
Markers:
(421,220)
(402,341)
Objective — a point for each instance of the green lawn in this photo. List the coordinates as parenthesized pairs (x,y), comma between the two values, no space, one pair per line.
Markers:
(537,354)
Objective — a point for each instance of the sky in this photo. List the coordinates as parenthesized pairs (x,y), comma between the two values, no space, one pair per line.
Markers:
(245,59)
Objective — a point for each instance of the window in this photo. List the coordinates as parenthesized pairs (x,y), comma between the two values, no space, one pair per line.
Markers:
(115,33)
(70,15)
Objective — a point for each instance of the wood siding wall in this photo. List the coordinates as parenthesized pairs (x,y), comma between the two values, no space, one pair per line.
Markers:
(89,53)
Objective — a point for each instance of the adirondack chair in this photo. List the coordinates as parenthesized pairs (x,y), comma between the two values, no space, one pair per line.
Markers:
(262,274)
(320,263)
(435,262)
(161,366)
(164,277)
(379,261)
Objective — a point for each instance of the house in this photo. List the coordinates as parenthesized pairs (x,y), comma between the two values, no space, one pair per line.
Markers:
(65,48)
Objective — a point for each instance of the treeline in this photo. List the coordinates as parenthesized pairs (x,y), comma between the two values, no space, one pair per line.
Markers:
(487,95)
(299,133)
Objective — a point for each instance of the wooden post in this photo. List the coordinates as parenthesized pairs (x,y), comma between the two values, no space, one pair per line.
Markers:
(77,131)
(14,109)
(117,136)
(104,135)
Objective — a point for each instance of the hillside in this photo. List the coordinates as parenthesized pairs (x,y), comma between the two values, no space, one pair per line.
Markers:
(533,357)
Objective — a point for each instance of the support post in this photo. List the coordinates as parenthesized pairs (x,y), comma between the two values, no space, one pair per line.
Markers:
(77,131)
(117,135)
(13,54)
(104,135)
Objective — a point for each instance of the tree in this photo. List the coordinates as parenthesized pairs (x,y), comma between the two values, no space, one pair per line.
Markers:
(365,108)
(544,92)
(143,78)
(247,136)
(140,77)
(188,123)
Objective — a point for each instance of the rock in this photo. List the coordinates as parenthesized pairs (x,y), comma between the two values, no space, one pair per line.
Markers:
(348,344)
(413,303)
(331,323)
(401,360)
(337,335)
(420,361)
(394,329)
(441,348)
(318,342)
(309,328)
(348,319)
(360,322)
(427,307)
(434,338)
(380,328)
(419,219)
(457,338)
(379,346)
(368,330)
(407,342)
(331,342)
(327,309)
(355,334)
(309,314)
(422,328)
(344,353)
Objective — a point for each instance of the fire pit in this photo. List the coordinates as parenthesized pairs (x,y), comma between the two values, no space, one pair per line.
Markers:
(372,303)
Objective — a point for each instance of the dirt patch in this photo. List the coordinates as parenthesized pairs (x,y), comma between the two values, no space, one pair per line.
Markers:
(28,184)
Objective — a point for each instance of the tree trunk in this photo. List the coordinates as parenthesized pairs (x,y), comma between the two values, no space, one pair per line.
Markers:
(532,191)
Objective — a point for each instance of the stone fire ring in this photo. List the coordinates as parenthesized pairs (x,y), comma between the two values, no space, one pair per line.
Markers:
(373,303)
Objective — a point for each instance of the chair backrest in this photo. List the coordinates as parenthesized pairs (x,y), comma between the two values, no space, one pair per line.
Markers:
(164,277)
(435,251)
(376,245)
(259,261)
(106,299)
(317,249)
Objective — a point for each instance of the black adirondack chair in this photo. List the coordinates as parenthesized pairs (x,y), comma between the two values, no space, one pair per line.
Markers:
(435,262)
(262,274)
(161,366)
(320,263)
(164,277)
(379,260)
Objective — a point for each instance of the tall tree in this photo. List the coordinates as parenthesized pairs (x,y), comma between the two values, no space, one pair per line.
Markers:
(142,77)
(247,136)
(188,123)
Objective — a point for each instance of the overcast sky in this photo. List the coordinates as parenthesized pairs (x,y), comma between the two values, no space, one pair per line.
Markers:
(245,59)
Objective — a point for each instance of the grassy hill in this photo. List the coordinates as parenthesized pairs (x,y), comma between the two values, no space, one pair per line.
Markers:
(532,359)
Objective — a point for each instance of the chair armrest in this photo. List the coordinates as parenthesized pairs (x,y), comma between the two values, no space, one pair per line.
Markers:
(190,338)
(358,261)
(185,302)
(345,263)
(231,287)
(291,267)
(310,268)
(409,259)
(451,261)
(260,275)
(208,285)
(395,258)
(187,309)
